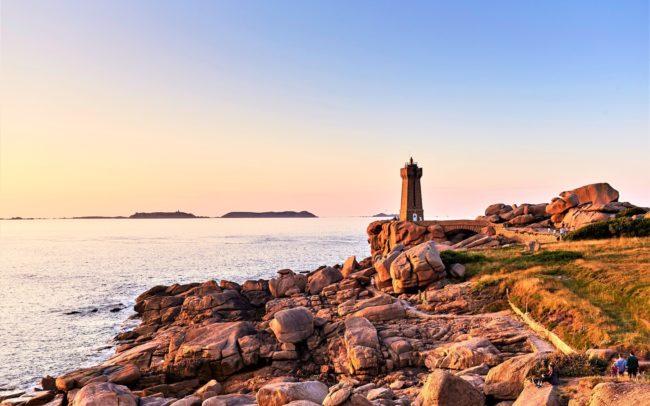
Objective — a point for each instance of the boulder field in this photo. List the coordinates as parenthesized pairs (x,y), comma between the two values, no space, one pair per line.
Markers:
(573,209)
(398,331)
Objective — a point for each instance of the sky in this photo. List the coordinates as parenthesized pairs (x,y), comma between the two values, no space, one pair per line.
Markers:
(112,107)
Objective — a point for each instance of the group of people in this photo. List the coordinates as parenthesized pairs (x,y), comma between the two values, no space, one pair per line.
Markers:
(562,232)
(621,365)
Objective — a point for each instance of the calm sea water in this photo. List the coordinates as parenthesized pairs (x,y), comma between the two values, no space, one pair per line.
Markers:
(52,269)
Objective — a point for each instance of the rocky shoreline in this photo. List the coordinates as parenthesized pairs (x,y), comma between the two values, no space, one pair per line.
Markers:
(400,328)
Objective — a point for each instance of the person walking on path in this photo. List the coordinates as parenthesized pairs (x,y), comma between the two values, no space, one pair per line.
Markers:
(620,365)
(632,366)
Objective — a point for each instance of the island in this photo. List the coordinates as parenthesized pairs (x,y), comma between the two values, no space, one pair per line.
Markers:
(163,215)
(269,214)
(385,215)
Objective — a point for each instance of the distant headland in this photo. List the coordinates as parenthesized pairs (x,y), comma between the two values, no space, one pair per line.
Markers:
(385,215)
(163,215)
(269,214)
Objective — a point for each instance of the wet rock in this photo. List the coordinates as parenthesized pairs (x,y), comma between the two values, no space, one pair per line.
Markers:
(443,389)
(40,398)
(293,325)
(281,393)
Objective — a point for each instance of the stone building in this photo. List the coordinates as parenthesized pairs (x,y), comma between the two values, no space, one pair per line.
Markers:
(411,207)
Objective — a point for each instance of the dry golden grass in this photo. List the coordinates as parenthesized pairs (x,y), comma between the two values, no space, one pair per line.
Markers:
(591,293)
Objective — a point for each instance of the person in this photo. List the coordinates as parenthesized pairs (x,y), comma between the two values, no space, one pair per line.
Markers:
(632,366)
(620,365)
(614,370)
(552,376)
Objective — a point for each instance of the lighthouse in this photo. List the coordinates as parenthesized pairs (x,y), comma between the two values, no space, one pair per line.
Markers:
(411,207)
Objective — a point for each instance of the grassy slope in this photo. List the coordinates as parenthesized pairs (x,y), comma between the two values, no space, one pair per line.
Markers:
(591,293)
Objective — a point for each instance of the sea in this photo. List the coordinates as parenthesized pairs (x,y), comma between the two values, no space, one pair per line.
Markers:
(67,287)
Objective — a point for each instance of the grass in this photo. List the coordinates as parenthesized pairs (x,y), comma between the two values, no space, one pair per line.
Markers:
(593,294)
(460,257)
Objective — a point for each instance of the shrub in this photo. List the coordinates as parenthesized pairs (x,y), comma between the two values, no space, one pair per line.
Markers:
(617,227)
(631,211)
(569,365)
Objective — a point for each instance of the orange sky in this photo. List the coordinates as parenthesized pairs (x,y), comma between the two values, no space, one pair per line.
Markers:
(101,118)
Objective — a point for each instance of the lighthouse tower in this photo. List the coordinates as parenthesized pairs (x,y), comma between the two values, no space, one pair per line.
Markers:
(411,208)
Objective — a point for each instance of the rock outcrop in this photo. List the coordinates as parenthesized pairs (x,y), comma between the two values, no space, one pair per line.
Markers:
(333,336)
(573,209)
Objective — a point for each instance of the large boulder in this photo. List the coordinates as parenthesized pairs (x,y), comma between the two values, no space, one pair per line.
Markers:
(362,345)
(463,355)
(287,283)
(104,394)
(506,380)
(444,389)
(321,278)
(533,396)
(597,194)
(522,220)
(282,393)
(497,208)
(210,350)
(620,393)
(293,325)
(417,267)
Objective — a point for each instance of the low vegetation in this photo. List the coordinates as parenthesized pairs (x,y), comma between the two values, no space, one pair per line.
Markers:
(593,294)
(616,227)
(572,365)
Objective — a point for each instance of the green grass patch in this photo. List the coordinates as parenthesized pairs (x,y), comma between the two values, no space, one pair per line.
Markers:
(461,257)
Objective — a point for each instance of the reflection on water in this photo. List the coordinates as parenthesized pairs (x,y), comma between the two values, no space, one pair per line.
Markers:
(68,286)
